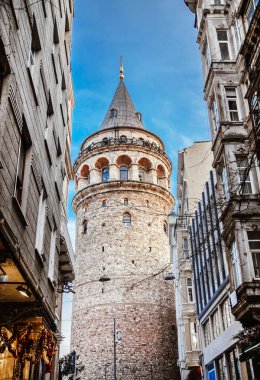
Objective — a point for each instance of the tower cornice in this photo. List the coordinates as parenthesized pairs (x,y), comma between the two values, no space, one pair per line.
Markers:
(106,187)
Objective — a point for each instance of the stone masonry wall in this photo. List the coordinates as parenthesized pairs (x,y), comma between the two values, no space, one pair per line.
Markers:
(141,302)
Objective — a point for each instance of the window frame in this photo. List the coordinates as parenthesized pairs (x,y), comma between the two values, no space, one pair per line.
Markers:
(127,220)
(236,266)
(105,174)
(123,169)
(185,249)
(247,182)
(41,222)
(26,142)
(229,99)
(190,293)
(223,44)
(254,250)
(51,268)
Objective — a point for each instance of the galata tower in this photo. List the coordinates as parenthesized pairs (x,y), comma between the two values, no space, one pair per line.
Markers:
(123,324)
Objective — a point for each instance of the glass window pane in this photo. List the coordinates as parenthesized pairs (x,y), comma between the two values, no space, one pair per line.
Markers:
(232,104)
(222,35)
(123,173)
(224,50)
(231,92)
(105,174)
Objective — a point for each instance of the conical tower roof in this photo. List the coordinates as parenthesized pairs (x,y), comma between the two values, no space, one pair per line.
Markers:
(122,112)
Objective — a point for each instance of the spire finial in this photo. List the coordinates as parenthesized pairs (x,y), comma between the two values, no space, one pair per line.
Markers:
(121,76)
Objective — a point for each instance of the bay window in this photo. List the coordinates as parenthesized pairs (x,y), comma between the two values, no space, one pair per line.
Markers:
(223,44)
(244,175)
(254,246)
(231,98)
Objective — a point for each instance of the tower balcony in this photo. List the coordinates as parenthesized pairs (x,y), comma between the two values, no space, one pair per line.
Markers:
(117,143)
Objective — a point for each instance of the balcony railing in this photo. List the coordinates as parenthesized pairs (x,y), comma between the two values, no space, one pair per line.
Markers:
(124,141)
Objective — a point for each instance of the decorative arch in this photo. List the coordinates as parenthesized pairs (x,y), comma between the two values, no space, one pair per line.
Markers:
(84,171)
(124,162)
(124,159)
(102,164)
(144,167)
(161,175)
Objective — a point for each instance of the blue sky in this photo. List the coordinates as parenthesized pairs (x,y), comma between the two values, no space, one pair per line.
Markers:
(162,73)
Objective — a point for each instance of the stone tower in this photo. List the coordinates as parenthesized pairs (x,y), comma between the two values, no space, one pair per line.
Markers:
(123,315)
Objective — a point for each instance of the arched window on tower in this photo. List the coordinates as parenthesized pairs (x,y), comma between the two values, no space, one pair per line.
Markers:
(144,169)
(165,227)
(85,227)
(127,220)
(105,174)
(123,173)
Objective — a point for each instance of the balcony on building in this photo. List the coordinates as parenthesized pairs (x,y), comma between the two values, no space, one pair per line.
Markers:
(66,257)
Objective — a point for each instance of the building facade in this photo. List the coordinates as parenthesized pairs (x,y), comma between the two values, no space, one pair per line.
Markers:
(194,164)
(229,43)
(36,256)
(217,325)
(123,322)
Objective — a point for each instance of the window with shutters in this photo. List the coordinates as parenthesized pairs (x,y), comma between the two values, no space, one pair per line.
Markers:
(42,211)
(236,265)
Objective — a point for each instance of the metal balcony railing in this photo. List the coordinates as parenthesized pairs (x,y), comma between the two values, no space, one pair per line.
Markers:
(124,141)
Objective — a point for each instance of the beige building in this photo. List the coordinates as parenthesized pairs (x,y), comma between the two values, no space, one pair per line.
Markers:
(123,322)
(36,257)
(194,164)
(228,37)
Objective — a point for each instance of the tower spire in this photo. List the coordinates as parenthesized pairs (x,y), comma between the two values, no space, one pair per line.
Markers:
(121,76)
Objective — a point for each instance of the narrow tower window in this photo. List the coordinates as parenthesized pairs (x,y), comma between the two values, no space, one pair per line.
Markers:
(113,112)
(123,173)
(127,220)
(105,175)
(126,201)
(139,116)
(104,203)
(85,227)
